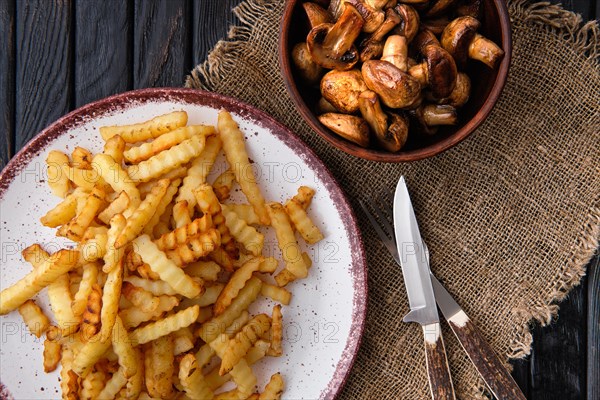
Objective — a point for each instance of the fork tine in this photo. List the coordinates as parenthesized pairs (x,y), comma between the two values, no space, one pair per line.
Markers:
(390,244)
(385,219)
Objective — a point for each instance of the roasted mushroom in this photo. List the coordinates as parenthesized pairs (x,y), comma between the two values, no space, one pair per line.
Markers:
(323,106)
(342,88)
(471,8)
(435,26)
(316,14)
(372,46)
(332,46)
(350,127)
(439,7)
(335,8)
(424,38)
(460,94)
(379,4)
(396,89)
(437,71)
(373,17)
(395,51)
(409,26)
(398,130)
(460,38)
(371,111)
(309,71)
(438,114)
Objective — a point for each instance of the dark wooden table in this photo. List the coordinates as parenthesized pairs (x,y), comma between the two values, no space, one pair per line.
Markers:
(57,55)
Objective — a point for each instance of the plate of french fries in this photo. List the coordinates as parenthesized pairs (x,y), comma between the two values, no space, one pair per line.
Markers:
(175,244)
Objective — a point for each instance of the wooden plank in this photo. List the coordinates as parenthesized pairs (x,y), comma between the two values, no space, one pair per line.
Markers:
(521,373)
(103,49)
(558,361)
(212,20)
(7,82)
(593,339)
(44,69)
(162,51)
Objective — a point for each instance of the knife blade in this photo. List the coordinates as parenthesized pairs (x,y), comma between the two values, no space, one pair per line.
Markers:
(423,310)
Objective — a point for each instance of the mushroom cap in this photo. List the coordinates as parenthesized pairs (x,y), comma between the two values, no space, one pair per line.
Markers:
(441,71)
(342,89)
(373,17)
(308,69)
(424,38)
(462,91)
(439,7)
(396,89)
(397,133)
(316,14)
(409,26)
(457,37)
(350,127)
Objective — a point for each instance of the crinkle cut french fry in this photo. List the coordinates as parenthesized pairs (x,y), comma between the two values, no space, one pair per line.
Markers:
(157,288)
(181,216)
(56,265)
(117,206)
(88,279)
(276,293)
(69,382)
(274,388)
(220,256)
(180,235)
(148,129)
(114,147)
(165,268)
(304,196)
(92,249)
(110,300)
(59,294)
(81,222)
(237,157)
(243,341)
(113,254)
(192,380)
(167,160)
(241,373)
(235,284)
(245,234)
(158,361)
(133,316)
(290,251)
(82,158)
(198,171)
(35,255)
(209,204)
(113,385)
(183,341)
(37,322)
(58,181)
(144,151)
(90,324)
(163,327)
(92,385)
(142,215)
(162,206)
(144,300)
(52,354)
(117,178)
(122,347)
(215,326)
(302,222)
(276,333)
(62,213)
(206,270)
(83,178)
(196,247)
(285,276)
(223,184)
(207,298)
(244,211)
(89,354)
(134,384)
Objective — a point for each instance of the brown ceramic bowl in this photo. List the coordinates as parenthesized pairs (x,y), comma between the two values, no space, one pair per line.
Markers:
(487,85)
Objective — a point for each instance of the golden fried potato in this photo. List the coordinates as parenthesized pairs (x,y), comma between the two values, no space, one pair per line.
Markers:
(223,184)
(243,341)
(52,354)
(192,380)
(37,322)
(290,251)
(276,333)
(146,130)
(58,180)
(274,388)
(276,293)
(163,327)
(159,367)
(302,222)
(114,147)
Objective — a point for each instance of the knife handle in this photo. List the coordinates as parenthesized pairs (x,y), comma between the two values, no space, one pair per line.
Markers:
(438,371)
(485,360)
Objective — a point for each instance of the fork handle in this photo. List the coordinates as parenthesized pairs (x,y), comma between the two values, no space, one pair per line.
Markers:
(438,371)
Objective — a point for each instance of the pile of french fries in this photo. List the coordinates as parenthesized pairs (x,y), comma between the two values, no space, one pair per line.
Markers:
(152,301)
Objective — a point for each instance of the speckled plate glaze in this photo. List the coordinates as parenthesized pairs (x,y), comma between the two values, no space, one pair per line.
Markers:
(324,322)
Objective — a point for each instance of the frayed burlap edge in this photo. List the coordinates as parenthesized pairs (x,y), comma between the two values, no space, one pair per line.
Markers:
(583,39)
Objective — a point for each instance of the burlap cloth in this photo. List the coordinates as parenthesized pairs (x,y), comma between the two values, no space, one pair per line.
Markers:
(511,215)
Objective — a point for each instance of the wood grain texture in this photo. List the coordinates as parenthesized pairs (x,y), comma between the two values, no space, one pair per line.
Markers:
(211,22)
(440,381)
(7,82)
(485,360)
(44,65)
(593,332)
(103,49)
(162,52)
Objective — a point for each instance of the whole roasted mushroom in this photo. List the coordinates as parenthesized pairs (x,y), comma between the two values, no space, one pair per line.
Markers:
(460,38)
(316,14)
(372,46)
(396,89)
(350,127)
(424,38)
(390,136)
(460,94)
(437,71)
(373,17)
(395,51)
(428,118)
(309,71)
(342,89)
(398,129)
(409,26)
(332,46)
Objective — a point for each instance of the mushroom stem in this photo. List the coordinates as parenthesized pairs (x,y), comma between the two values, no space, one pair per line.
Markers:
(372,46)
(344,32)
(373,17)
(434,115)
(485,50)
(419,72)
(370,109)
(395,51)
(316,14)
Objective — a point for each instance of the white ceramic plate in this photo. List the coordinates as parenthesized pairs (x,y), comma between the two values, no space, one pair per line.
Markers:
(324,322)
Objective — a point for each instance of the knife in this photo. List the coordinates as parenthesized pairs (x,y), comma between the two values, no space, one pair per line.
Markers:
(423,310)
